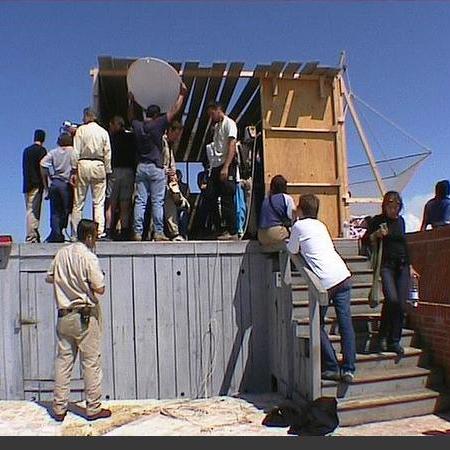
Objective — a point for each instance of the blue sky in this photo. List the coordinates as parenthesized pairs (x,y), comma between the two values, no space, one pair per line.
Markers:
(398,54)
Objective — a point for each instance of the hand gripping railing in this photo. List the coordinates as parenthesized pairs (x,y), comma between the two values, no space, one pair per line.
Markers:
(317,296)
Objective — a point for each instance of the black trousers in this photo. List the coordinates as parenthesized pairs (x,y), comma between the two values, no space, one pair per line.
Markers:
(395,281)
(226,191)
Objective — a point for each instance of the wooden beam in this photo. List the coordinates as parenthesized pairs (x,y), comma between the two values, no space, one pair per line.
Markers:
(309,67)
(231,80)
(194,107)
(303,130)
(211,94)
(290,69)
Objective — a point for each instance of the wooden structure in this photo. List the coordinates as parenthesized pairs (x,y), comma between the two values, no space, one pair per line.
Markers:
(298,108)
(180,320)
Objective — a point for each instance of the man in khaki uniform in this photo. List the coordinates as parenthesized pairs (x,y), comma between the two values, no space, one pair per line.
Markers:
(91,163)
(174,198)
(77,279)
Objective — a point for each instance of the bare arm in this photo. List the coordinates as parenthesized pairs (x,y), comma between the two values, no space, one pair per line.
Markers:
(176,108)
(229,159)
(131,107)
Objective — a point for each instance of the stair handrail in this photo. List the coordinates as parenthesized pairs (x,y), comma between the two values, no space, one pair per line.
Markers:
(317,296)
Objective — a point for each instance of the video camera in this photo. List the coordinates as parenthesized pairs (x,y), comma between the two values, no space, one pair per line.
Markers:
(69,128)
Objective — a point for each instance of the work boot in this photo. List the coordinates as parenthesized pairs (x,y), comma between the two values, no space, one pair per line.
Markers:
(160,237)
(102,414)
(396,348)
(56,417)
(137,237)
(178,238)
(382,344)
(348,377)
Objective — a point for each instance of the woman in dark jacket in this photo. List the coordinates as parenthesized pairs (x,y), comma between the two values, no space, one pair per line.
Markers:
(396,270)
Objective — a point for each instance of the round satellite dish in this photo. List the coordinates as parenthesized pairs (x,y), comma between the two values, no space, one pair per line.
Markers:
(153,82)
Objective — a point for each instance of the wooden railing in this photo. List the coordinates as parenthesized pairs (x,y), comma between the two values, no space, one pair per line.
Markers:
(309,357)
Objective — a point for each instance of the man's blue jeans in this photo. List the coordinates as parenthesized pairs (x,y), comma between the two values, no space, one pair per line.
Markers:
(60,194)
(341,301)
(150,182)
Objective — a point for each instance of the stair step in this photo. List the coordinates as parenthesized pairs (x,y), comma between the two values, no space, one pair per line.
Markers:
(358,306)
(382,407)
(413,357)
(363,275)
(366,342)
(405,379)
(359,290)
(361,322)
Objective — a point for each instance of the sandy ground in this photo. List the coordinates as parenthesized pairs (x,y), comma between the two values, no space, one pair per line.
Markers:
(219,416)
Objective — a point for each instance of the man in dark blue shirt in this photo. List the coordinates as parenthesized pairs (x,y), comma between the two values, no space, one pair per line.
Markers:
(150,174)
(33,185)
(437,210)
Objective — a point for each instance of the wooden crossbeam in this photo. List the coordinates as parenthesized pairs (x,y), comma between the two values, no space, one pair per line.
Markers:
(231,80)
(290,69)
(211,94)
(309,67)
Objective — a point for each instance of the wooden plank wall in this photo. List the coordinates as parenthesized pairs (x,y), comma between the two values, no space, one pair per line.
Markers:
(179,321)
(303,142)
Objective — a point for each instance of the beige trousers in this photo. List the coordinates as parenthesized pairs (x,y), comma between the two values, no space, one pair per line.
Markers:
(273,235)
(73,336)
(171,215)
(33,203)
(90,174)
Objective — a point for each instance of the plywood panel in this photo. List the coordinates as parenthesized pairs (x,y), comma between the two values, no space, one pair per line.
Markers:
(308,109)
(146,327)
(123,328)
(300,157)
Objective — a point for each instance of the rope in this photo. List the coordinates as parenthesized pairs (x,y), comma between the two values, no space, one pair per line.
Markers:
(400,129)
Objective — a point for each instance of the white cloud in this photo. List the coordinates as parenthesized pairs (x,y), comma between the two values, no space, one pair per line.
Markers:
(413,211)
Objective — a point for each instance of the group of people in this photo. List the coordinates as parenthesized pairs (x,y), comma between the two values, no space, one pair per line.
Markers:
(281,220)
(121,167)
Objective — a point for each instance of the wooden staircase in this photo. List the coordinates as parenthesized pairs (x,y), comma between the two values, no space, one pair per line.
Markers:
(386,387)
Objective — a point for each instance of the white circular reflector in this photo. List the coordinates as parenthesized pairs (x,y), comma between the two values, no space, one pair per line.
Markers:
(153,82)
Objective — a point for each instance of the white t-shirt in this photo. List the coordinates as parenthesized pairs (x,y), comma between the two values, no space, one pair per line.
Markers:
(311,237)
(224,130)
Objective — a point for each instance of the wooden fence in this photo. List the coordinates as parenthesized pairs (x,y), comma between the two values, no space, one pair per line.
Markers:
(179,320)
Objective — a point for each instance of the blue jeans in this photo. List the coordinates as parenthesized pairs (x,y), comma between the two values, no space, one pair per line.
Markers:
(341,301)
(60,194)
(150,182)
(395,282)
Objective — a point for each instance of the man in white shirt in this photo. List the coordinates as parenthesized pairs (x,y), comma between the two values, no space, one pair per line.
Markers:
(311,237)
(222,160)
(91,163)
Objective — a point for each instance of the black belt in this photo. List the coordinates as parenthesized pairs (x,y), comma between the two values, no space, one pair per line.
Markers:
(85,311)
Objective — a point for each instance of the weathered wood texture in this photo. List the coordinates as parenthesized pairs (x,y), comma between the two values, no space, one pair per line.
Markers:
(179,321)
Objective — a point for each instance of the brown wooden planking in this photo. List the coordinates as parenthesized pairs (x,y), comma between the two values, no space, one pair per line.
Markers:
(230,83)
(290,69)
(215,81)
(176,65)
(309,67)
(244,98)
(197,95)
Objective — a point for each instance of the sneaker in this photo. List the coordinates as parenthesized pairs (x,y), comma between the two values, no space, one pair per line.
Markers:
(102,414)
(178,238)
(331,375)
(227,237)
(158,237)
(348,377)
(136,237)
